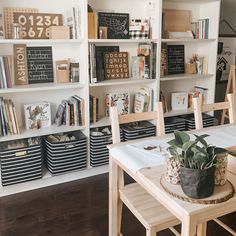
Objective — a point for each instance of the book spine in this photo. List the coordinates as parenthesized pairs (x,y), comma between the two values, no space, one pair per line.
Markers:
(3,72)
(16,120)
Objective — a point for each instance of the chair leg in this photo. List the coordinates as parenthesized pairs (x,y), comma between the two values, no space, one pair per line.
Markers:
(151,232)
(119,216)
(202,229)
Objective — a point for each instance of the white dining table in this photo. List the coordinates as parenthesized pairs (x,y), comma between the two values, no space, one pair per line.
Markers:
(147,167)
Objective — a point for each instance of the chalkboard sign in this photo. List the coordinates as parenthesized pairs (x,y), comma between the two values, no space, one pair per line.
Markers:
(175,59)
(40,65)
(117,24)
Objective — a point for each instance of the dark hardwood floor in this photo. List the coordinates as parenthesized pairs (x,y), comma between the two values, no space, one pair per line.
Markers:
(78,208)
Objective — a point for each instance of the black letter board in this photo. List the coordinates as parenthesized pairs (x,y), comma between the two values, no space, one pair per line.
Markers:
(117,24)
(40,64)
(175,59)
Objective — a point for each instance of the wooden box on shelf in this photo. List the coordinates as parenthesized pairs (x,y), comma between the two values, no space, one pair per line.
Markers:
(63,71)
(59,32)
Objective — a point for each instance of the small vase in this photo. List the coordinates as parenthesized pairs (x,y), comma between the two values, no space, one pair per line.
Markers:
(172,170)
(197,183)
(221,169)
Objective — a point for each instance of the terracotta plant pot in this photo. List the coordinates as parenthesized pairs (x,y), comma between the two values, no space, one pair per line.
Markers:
(197,183)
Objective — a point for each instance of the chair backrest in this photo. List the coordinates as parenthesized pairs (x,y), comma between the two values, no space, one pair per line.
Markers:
(199,108)
(117,120)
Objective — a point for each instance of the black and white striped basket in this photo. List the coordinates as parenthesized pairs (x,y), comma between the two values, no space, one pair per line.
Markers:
(20,164)
(62,157)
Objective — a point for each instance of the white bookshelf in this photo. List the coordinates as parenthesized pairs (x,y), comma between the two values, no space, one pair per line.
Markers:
(78,49)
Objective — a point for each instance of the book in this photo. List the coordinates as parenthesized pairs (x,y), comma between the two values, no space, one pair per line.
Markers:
(201,91)
(137,67)
(143,100)
(37,115)
(93,108)
(92,25)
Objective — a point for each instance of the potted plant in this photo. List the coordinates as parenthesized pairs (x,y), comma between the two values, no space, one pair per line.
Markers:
(197,160)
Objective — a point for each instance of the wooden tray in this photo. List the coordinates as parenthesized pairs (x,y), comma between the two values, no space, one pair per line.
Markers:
(221,193)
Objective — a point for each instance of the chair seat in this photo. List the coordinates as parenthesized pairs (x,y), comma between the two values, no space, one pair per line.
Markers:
(148,210)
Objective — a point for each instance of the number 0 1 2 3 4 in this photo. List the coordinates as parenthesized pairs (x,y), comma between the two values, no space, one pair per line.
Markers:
(36,25)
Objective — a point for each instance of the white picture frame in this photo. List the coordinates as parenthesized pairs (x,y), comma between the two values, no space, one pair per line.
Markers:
(179,101)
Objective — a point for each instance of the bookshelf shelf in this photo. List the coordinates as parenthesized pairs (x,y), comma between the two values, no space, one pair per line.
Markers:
(54,129)
(41,87)
(187,40)
(178,113)
(105,121)
(40,41)
(185,77)
(116,41)
(122,82)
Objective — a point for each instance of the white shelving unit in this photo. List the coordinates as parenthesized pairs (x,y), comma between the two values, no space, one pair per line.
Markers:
(78,49)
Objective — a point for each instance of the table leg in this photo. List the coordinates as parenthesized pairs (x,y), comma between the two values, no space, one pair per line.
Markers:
(202,229)
(189,227)
(116,181)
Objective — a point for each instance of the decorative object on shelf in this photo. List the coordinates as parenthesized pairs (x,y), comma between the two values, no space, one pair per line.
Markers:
(190,68)
(59,32)
(172,170)
(36,25)
(179,101)
(9,18)
(20,64)
(143,100)
(37,115)
(63,71)
(144,50)
(116,65)
(74,22)
(180,35)
(221,169)
(117,24)
(92,25)
(2,34)
(201,91)
(6,70)
(197,159)
(121,100)
(176,21)
(139,28)
(176,61)
(164,60)
(8,119)
(74,72)
(96,61)
(200,29)
(102,32)
(137,67)
(17,32)
(40,65)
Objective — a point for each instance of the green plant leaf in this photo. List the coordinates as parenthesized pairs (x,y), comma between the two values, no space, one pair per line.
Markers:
(181,137)
(201,139)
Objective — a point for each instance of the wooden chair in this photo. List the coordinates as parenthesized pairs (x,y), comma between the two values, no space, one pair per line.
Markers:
(153,216)
(200,108)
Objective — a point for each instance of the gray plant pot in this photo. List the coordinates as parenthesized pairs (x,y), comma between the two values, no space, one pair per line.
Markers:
(197,183)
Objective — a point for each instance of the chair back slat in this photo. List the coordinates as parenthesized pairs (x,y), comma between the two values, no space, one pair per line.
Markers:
(116,120)
(199,108)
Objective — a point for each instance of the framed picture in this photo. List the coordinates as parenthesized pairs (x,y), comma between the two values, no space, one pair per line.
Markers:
(179,101)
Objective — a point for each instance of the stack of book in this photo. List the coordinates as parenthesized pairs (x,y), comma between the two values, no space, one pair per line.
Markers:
(93,108)
(74,21)
(6,75)
(71,112)
(9,123)
(200,29)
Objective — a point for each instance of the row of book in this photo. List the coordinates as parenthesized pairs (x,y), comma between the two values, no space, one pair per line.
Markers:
(142,65)
(8,122)
(71,112)
(74,21)
(6,75)
(200,29)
